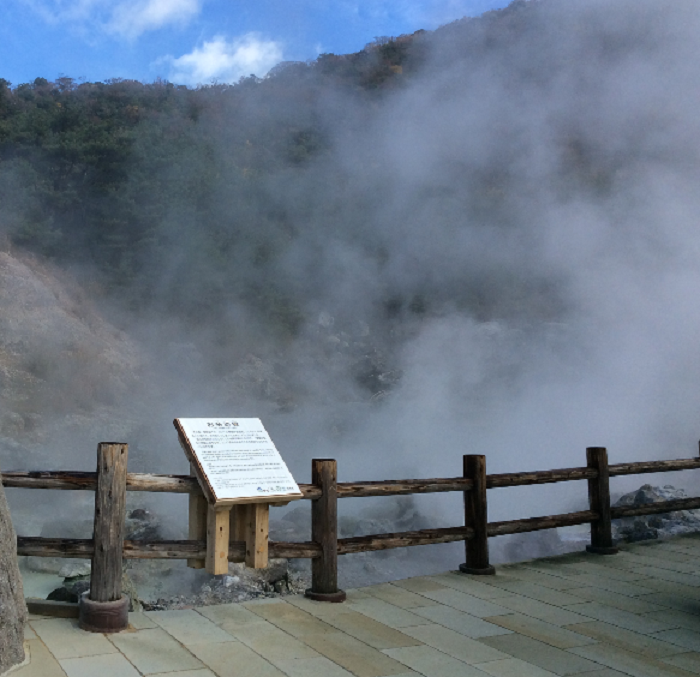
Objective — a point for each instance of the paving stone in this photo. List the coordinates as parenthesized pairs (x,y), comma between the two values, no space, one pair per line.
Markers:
(515,667)
(544,612)
(668,575)
(65,639)
(29,633)
(625,661)
(189,627)
(107,665)
(465,624)
(586,568)
(388,614)
(454,644)
(471,586)
(271,642)
(554,635)
(659,559)
(691,621)
(658,585)
(313,667)
(547,579)
(292,619)
(318,609)
(597,580)
(192,673)
(623,619)
(681,637)
(154,651)
(432,663)
(139,621)
(419,585)
(467,603)
(689,661)
(355,656)
(233,659)
(635,605)
(399,596)
(42,662)
(673,600)
(360,593)
(644,645)
(231,614)
(543,655)
(371,632)
(541,593)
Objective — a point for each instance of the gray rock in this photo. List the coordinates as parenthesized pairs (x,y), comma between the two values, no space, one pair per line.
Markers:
(13,611)
(649,527)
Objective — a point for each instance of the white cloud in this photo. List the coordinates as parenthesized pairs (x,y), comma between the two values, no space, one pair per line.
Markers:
(127,18)
(134,17)
(225,61)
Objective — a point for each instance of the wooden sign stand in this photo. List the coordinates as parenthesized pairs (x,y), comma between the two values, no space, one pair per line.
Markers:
(223,520)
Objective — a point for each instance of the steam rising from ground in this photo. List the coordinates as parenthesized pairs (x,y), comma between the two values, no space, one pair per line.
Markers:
(514,232)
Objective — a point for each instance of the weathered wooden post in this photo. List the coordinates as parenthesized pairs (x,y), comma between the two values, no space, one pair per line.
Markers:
(104,608)
(198,509)
(324,531)
(599,502)
(476,517)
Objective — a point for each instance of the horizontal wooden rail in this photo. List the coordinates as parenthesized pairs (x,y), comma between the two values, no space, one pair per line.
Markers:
(181,549)
(519,479)
(402,539)
(569,519)
(655,508)
(654,466)
(76,480)
(401,487)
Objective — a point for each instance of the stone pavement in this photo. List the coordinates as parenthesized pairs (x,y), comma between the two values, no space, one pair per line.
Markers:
(636,613)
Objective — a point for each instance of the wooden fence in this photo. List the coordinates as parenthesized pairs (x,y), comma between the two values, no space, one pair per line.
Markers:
(108,547)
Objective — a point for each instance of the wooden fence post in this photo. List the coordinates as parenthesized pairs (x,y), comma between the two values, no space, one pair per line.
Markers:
(599,501)
(324,531)
(104,608)
(476,517)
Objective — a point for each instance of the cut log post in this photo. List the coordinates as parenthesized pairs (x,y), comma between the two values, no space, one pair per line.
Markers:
(476,518)
(217,540)
(599,502)
(257,529)
(106,609)
(324,531)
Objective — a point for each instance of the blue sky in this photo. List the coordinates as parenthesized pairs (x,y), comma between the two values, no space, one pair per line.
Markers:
(198,41)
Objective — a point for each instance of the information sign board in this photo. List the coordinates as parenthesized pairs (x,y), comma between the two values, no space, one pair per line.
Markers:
(236,461)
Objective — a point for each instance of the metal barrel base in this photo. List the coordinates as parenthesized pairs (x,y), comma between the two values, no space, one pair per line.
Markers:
(602,551)
(103,616)
(336,597)
(485,571)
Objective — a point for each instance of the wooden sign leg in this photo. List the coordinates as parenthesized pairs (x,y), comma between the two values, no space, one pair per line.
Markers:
(217,540)
(198,524)
(238,528)
(257,534)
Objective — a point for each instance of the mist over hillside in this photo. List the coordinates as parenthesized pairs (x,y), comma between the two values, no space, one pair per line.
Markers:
(481,239)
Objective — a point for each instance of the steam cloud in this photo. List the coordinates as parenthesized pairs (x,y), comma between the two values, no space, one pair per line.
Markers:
(515,228)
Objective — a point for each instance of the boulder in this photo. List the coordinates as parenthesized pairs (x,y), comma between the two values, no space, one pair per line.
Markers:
(648,527)
(13,611)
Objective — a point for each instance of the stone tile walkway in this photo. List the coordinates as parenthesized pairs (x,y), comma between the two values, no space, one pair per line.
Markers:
(636,613)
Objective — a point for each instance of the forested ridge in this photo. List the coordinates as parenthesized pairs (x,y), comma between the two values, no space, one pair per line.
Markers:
(118,175)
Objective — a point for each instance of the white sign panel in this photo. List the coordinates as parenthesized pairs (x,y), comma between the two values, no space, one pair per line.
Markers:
(238,459)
